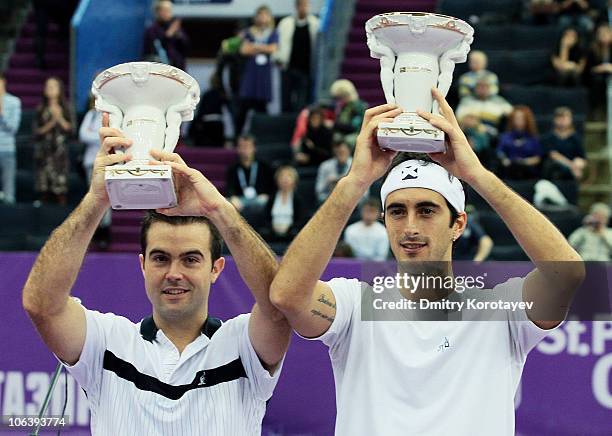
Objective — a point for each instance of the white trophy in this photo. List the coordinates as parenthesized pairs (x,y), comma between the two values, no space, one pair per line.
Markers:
(147,101)
(417,51)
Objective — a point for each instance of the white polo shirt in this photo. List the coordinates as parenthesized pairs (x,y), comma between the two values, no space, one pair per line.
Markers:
(137,383)
(426,377)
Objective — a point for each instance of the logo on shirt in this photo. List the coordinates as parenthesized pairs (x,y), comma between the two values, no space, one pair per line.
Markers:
(411,172)
(202,381)
(444,345)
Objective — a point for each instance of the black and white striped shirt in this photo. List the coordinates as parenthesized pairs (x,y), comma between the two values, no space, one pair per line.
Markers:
(136,381)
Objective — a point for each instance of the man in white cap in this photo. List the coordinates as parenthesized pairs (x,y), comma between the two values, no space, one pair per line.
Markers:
(414,377)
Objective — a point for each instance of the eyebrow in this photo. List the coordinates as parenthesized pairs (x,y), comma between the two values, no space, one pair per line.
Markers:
(187,253)
(419,204)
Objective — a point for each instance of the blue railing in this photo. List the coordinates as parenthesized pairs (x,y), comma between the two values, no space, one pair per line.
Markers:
(104,34)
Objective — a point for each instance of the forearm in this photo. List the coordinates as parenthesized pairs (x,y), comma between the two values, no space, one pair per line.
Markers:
(302,266)
(540,239)
(256,263)
(48,286)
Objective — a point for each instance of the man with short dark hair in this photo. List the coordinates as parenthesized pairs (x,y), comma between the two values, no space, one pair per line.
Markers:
(10,118)
(368,237)
(415,377)
(179,371)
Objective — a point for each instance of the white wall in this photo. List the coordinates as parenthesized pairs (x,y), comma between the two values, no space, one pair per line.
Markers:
(237,8)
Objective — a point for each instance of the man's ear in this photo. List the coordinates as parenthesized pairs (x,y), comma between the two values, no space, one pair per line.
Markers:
(142,261)
(217,267)
(459,225)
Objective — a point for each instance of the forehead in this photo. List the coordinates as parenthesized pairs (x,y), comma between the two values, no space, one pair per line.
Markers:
(412,196)
(180,238)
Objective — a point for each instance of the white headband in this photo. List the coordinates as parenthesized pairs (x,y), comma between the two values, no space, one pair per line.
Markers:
(419,174)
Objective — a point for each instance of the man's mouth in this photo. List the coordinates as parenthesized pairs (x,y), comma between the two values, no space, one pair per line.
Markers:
(412,246)
(174,291)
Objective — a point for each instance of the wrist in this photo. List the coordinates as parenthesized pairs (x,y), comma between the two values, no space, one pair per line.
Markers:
(221,212)
(480,178)
(353,187)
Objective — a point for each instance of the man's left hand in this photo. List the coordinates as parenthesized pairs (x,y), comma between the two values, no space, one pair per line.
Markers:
(197,196)
(459,158)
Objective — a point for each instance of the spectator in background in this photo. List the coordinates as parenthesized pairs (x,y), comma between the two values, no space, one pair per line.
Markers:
(285,213)
(260,42)
(519,148)
(332,170)
(297,55)
(543,12)
(368,238)
(474,243)
(315,146)
(575,13)
(599,67)
(569,58)
(349,110)
(164,40)
(563,146)
(89,136)
(53,125)
(207,128)
(249,182)
(10,118)
(478,71)
(593,241)
(479,136)
(490,108)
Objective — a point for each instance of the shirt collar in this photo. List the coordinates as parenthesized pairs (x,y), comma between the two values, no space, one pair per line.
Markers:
(148,329)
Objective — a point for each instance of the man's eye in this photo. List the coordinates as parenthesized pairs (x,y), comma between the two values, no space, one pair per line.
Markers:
(159,258)
(396,212)
(427,211)
(192,260)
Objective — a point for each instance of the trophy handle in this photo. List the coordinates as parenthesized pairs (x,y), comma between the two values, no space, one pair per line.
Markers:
(114,113)
(447,66)
(176,113)
(387,64)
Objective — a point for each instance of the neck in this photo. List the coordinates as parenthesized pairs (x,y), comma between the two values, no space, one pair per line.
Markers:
(181,331)
(247,161)
(425,280)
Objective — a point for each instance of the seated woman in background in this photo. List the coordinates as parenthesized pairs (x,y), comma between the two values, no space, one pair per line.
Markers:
(519,149)
(53,125)
(566,158)
(349,110)
(285,210)
(569,58)
(315,146)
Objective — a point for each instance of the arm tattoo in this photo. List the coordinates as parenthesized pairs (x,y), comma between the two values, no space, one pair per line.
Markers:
(325,301)
(322,315)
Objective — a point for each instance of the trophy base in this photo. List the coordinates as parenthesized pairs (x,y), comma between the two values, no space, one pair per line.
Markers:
(411,133)
(140,187)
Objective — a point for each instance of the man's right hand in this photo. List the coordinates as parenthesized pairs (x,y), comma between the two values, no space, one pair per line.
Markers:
(370,162)
(110,139)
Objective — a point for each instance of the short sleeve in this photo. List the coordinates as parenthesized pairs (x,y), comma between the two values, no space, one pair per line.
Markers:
(347,293)
(87,371)
(262,383)
(525,334)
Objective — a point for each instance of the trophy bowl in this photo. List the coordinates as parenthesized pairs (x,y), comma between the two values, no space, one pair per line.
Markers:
(147,101)
(417,51)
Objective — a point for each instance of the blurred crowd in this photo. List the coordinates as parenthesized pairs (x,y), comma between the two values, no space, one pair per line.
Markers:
(505,137)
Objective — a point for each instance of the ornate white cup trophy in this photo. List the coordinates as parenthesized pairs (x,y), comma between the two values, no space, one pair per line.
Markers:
(417,51)
(147,101)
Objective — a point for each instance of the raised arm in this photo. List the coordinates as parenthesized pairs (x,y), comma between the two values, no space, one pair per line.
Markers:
(60,320)
(268,329)
(309,304)
(559,269)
